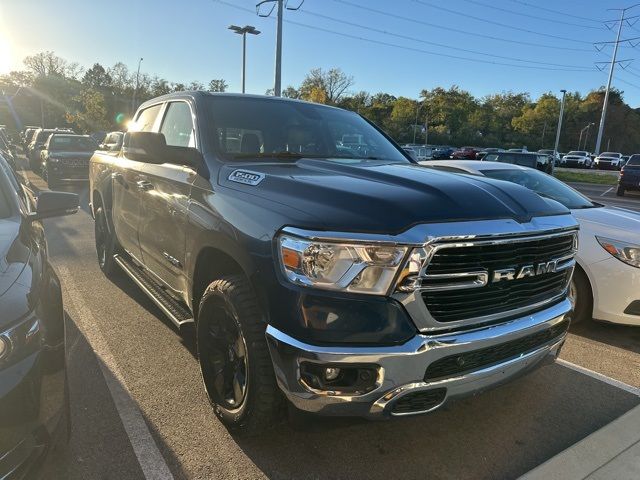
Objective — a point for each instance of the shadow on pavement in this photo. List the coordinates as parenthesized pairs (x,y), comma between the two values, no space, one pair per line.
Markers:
(99,447)
(502,433)
(620,336)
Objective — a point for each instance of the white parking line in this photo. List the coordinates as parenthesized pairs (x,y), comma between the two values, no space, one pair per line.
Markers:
(598,376)
(603,194)
(144,446)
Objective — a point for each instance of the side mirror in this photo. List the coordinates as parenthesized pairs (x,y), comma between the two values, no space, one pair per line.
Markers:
(102,146)
(55,204)
(149,147)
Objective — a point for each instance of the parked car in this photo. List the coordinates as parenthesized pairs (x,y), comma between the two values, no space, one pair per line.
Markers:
(577,159)
(442,152)
(553,154)
(606,282)
(66,158)
(34,399)
(27,137)
(629,178)
(422,152)
(482,153)
(625,159)
(7,152)
(533,160)
(518,150)
(112,142)
(468,153)
(608,161)
(39,139)
(324,277)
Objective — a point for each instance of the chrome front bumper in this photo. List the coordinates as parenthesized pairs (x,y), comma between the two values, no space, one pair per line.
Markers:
(401,369)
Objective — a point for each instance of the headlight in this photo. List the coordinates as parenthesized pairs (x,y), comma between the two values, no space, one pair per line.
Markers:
(348,267)
(4,347)
(626,252)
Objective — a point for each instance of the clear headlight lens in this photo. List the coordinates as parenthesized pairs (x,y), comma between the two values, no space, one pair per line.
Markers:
(348,267)
(4,347)
(623,251)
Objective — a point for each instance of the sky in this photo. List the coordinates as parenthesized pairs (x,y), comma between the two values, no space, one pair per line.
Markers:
(396,46)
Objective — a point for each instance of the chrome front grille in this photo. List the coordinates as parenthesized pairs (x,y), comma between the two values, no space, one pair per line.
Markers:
(462,283)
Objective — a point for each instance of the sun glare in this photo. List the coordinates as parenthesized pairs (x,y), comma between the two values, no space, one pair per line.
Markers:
(6,59)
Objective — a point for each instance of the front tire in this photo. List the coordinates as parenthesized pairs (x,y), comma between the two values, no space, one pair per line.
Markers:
(580,296)
(234,357)
(106,245)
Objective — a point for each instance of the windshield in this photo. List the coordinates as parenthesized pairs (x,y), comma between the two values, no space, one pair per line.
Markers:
(266,128)
(72,144)
(579,154)
(634,160)
(611,154)
(544,185)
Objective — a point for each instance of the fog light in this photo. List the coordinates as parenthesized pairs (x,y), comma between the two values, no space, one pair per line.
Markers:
(331,373)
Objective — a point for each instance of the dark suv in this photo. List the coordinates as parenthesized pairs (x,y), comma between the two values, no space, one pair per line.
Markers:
(629,178)
(66,158)
(38,141)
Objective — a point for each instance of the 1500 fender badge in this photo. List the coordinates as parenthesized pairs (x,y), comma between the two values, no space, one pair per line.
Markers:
(246,177)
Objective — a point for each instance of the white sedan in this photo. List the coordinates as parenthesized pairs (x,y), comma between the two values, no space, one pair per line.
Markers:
(606,281)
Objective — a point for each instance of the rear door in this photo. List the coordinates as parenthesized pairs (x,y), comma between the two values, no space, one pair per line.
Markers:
(165,201)
(127,175)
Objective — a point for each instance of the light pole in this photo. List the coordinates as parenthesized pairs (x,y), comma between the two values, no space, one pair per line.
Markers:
(243,31)
(415,125)
(587,127)
(555,148)
(135,91)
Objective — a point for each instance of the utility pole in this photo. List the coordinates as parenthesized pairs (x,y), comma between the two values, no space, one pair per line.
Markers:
(280,5)
(135,91)
(243,31)
(544,129)
(555,148)
(426,129)
(617,42)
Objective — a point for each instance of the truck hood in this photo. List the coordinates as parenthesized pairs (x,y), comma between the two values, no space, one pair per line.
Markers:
(378,197)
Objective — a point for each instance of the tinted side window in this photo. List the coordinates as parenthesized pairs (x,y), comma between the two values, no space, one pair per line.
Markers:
(177,125)
(147,117)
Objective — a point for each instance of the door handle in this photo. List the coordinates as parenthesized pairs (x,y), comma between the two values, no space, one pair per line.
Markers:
(118,177)
(144,186)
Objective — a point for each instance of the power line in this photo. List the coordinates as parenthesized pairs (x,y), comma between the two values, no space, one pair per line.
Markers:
(450,29)
(492,22)
(514,12)
(441,45)
(556,12)
(403,47)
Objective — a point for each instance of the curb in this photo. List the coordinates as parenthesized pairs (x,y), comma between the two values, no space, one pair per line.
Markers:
(611,452)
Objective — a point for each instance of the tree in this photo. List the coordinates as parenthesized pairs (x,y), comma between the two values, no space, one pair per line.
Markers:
(97,78)
(46,63)
(333,84)
(218,85)
(92,115)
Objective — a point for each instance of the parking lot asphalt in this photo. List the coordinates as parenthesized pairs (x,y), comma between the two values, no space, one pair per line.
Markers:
(606,194)
(139,411)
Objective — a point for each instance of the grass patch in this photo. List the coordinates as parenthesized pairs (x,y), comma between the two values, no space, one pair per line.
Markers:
(586,177)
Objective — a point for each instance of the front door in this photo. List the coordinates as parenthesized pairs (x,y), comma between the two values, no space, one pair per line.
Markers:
(165,202)
(126,181)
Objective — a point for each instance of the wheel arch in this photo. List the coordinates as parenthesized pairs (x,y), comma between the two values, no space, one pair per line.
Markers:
(215,261)
(590,283)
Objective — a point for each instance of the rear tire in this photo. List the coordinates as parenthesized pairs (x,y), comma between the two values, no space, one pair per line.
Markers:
(234,357)
(620,191)
(106,245)
(581,296)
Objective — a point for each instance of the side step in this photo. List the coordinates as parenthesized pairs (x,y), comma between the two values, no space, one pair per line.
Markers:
(173,309)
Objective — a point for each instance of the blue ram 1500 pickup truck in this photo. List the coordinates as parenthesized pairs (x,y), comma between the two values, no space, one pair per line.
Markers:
(344,281)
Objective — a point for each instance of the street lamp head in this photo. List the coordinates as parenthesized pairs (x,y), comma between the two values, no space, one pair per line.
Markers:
(242,30)
(563,91)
